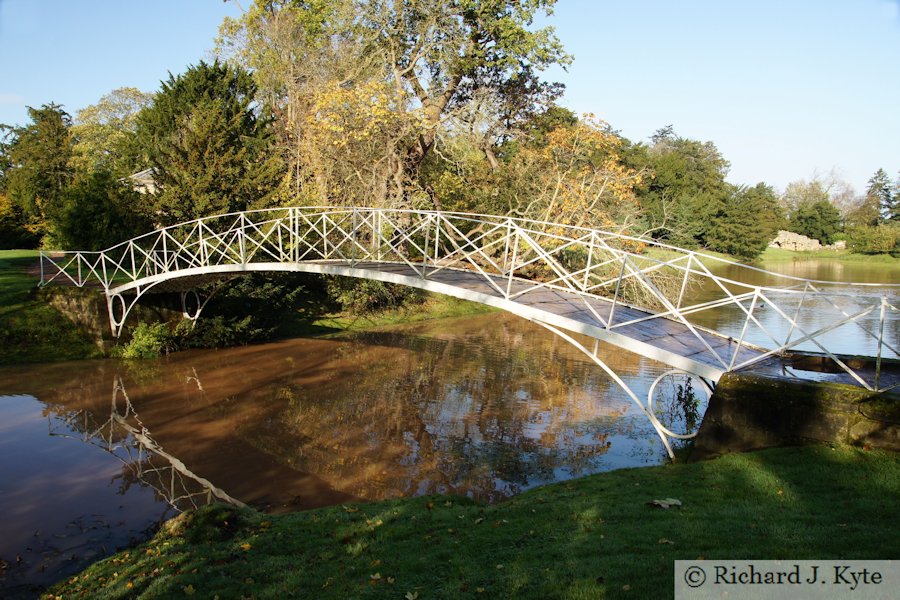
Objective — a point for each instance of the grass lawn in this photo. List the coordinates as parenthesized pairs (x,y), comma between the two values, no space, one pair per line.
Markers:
(436,306)
(595,537)
(781,255)
(31,330)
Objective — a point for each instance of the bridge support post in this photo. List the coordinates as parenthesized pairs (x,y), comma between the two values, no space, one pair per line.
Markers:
(192,303)
(118,308)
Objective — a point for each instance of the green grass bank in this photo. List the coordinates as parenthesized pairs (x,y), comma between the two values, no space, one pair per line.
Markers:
(30,329)
(776,255)
(595,537)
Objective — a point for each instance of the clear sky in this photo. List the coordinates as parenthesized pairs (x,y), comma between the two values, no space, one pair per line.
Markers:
(785,88)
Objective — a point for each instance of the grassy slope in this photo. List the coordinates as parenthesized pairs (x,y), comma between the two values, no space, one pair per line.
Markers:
(589,538)
(30,330)
(780,255)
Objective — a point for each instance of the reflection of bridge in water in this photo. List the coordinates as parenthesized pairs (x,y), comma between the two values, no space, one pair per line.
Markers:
(124,436)
(632,293)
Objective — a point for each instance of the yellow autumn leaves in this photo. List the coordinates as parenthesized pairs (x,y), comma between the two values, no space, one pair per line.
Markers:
(346,114)
(577,177)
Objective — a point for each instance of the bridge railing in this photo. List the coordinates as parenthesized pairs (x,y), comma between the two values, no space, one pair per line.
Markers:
(759,310)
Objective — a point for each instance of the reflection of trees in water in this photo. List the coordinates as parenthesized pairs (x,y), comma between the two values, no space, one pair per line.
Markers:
(679,405)
(485,406)
(144,461)
(487,413)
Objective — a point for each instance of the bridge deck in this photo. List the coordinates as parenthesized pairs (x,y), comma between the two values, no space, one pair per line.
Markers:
(673,339)
(569,310)
(667,340)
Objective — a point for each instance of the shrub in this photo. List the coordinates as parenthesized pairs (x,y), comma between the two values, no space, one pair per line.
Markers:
(880,239)
(149,340)
(361,296)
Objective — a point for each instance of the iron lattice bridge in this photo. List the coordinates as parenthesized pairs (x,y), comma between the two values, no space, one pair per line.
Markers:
(699,314)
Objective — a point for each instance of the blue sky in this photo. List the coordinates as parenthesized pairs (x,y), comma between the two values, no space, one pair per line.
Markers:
(785,88)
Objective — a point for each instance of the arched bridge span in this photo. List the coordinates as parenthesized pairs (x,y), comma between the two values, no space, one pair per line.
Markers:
(697,313)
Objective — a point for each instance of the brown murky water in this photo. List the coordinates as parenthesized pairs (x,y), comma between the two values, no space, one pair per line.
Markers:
(96,453)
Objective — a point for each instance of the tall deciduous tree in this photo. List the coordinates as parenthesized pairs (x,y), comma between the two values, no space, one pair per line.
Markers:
(429,58)
(571,174)
(104,132)
(208,144)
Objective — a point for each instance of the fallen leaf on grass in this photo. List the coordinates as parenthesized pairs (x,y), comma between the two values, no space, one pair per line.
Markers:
(665,503)
(665,541)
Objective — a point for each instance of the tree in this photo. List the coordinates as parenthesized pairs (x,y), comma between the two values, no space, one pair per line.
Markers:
(571,174)
(429,58)
(879,239)
(686,188)
(38,170)
(747,222)
(104,132)
(879,190)
(801,192)
(98,211)
(818,220)
(208,144)
(894,212)
(13,230)
(865,214)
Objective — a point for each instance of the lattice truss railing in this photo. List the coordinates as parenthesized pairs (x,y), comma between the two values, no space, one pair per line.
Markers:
(124,436)
(516,257)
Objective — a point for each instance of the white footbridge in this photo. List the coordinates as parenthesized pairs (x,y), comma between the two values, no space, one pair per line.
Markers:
(699,314)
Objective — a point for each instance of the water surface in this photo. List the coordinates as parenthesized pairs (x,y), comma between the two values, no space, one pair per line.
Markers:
(484,406)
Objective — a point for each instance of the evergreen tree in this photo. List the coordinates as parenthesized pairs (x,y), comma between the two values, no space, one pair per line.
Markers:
(893,213)
(818,220)
(881,195)
(748,221)
(38,158)
(686,190)
(98,211)
(208,144)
